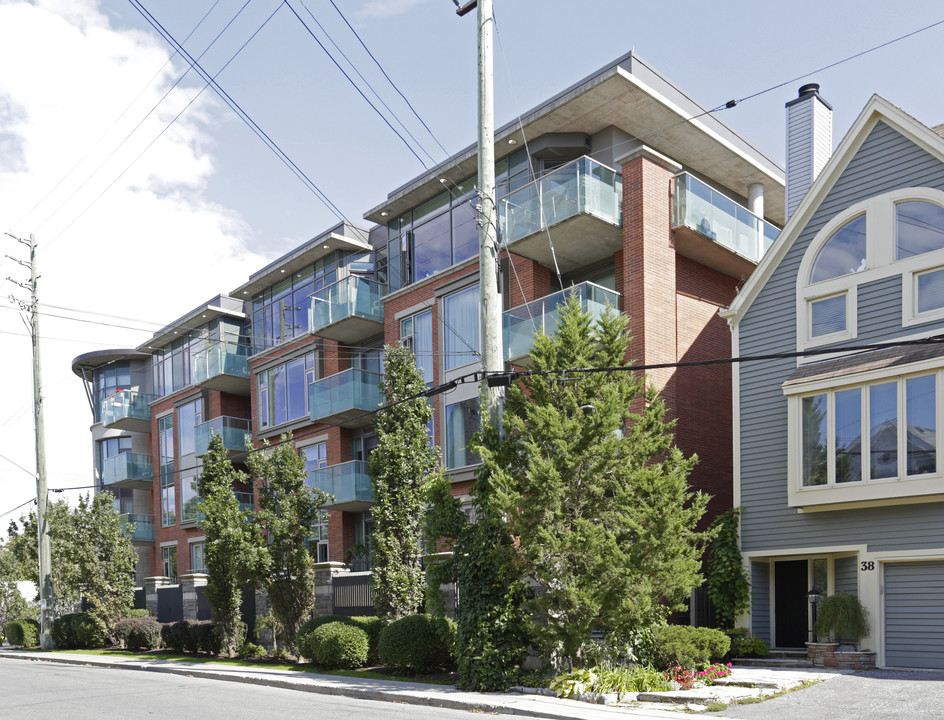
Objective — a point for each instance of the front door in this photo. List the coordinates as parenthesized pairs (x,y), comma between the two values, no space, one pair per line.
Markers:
(791,621)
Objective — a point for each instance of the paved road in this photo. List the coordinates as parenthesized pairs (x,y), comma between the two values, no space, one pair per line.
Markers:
(46,691)
(875,695)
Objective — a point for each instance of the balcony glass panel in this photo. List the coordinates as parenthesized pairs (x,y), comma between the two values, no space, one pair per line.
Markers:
(520,324)
(219,359)
(232,430)
(347,482)
(125,467)
(582,186)
(343,392)
(349,297)
(719,218)
(143,526)
(192,511)
(127,404)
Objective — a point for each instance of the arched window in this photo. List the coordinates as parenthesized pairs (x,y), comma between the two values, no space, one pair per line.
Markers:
(919,228)
(843,253)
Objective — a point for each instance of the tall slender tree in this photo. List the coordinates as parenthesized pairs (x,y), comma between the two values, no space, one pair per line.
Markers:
(400,467)
(234,551)
(288,512)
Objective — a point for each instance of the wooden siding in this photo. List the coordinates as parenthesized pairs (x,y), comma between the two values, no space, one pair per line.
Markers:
(914,615)
(885,162)
(847,579)
(760,600)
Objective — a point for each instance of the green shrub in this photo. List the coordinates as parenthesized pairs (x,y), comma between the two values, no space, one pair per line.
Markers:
(122,629)
(205,638)
(251,651)
(138,613)
(144,634)
(618,679)
(176,635)
(418,643)
(685,646)
(337,645)
(368,623)
(78,630)
(743,644)
(842,616)
(24,632)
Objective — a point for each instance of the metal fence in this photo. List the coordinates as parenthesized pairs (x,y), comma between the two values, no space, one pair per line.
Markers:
(352,594)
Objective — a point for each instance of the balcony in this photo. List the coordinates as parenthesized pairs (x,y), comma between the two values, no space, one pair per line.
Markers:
(232,430)
(347,311)
(348,482)
(143,527)
(580,204)
(128,410)
(712,229)
(222,366)
(190,514)
(128,470)
(345,398)
(520,324)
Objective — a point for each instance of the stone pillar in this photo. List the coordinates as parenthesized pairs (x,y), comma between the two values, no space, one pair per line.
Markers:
(263,635)
(324,599)
(188,587)
(151,585)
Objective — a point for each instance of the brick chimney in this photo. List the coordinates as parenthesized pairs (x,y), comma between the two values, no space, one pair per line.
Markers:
(809,142)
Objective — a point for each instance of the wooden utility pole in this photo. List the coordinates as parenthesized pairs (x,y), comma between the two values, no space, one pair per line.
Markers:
(42,497)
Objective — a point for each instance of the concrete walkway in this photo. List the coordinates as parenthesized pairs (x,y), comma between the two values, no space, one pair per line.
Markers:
(743,683)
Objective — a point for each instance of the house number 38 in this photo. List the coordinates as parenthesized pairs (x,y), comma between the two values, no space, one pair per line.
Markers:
(867,565)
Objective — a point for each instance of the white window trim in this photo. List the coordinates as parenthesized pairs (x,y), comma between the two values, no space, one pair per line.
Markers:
(866,493)
(880,244)
(909,297)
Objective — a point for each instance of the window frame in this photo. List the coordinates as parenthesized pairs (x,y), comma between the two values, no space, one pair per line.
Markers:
(868,491)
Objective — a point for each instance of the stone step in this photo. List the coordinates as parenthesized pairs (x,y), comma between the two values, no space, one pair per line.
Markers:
(799,661)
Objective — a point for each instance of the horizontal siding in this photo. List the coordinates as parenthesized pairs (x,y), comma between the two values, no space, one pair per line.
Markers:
(847,579)
(760,601)
(914,615)
(885,162)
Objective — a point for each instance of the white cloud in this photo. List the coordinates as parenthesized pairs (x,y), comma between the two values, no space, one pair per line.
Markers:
(152,247)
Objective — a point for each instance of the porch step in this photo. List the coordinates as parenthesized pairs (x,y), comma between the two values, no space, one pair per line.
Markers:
(777,659)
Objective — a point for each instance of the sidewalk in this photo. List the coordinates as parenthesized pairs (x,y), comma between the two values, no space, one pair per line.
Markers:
(649,705)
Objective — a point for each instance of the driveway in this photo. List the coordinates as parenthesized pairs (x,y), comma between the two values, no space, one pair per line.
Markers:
(875,694)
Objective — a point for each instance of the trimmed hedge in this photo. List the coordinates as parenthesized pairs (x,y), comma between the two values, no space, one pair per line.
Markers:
(371,625)
(78,630)
(685,646)
(418,643)
(337,646)
(144,634)
(175,635)
(194,636)
(24,632)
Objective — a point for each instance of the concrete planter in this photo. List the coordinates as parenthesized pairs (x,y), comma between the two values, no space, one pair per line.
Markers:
(827,654)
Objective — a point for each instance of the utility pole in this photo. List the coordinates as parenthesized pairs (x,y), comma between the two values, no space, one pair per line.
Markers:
(489,279)
(42,515)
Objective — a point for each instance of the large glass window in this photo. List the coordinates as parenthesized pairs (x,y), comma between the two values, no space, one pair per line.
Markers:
(189,499)
(462,421)
(864,424)
(919,228)
(461,333)
(169,562)
(283,389)
(165,430)
(188,417)
(108,380)
(843,253)
(316,457)
(416,334)
(929,291)
(197,563)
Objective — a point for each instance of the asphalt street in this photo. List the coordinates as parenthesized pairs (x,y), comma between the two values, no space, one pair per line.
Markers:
(875,694)
(47,691)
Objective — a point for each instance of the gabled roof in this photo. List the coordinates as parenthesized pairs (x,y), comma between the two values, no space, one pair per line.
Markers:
(876,109)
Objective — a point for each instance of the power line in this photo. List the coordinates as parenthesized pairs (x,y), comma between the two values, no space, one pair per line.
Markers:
(10,512)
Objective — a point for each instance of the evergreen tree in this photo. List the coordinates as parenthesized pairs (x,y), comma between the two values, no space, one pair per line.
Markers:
(234,551)
(288,510)
(13,606)
(400,467)
(593,491)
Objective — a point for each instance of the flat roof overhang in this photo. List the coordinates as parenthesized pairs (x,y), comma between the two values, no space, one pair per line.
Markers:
(97,358)
(633,97)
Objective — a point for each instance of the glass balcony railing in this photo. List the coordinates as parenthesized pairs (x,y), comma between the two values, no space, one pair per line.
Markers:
(190,509)
(348,482)
(127,469)
(582,186)
(219,359)
(520,324)
(345,396)
(719,218)
(232,430)
(143,526)
(352,298)
(126,407)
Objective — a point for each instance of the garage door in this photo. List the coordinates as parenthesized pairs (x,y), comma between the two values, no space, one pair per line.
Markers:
(914,614)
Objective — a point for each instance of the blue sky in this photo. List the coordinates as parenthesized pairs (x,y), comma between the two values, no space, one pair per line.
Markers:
(206,204)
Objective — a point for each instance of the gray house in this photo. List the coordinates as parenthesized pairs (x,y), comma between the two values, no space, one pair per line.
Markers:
(836,463)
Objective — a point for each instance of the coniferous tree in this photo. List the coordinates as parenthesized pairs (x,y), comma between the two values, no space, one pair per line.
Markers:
(593,491)
(400,467)
(234,551)
(288,512)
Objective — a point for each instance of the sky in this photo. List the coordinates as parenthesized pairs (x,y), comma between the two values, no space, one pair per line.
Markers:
(147,194)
